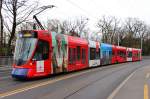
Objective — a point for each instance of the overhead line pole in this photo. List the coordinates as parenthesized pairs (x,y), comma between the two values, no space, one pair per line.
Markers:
(36,19)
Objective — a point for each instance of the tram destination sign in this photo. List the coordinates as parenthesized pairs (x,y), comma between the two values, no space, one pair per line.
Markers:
(27,34)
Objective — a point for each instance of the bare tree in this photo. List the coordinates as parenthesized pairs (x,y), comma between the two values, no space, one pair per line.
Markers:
(95,36)
(147,37)
(17,12)
(136,31)
(63,27)
(140,30)
(108,26)
(129,23)
(53,25)
(74,28)
(81,25)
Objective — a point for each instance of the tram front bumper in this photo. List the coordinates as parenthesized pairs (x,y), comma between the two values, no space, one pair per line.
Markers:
(19,73)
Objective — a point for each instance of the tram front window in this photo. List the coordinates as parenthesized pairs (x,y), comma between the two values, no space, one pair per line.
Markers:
(24,49)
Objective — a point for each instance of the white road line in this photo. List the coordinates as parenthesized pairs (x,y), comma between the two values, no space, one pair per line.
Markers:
(113,94)
(147,75)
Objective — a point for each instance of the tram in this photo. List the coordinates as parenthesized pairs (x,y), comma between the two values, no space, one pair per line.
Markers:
(39,53)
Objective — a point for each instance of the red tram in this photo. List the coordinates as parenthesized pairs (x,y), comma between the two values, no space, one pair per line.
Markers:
(136,54)
(119,54)
(129,54)
(39,53)
(78,49)
(42,53)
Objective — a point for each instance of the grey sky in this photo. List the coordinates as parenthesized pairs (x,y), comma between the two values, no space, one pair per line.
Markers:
(93,9)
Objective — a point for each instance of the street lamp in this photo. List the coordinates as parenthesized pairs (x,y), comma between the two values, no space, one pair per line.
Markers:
(141,43)
(41,10)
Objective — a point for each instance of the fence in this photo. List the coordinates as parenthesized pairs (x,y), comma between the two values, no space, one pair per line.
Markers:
(6,60)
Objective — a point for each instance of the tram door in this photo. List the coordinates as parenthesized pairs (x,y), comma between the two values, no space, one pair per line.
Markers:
(72,58)
(78,61)
(81,58)
(41,57)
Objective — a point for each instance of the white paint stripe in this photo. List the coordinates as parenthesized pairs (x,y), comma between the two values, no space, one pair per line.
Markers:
(147,75)
(113,94)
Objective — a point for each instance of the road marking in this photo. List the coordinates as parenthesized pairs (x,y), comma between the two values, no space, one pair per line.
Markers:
(16,91)
(113,94)
(4,77)
(146,92)
(147,75)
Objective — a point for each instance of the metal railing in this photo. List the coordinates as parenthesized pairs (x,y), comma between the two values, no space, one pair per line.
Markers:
(6,60)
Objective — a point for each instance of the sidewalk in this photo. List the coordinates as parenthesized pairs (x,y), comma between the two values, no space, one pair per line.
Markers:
(137,86)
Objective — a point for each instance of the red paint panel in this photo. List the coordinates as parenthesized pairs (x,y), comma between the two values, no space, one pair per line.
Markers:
(119,54)
(136,54)
(74,42)
(114,54)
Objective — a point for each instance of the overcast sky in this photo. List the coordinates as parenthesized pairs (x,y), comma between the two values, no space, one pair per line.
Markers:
(93,9)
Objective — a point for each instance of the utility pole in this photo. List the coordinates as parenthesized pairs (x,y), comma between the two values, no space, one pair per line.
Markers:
(141,43)
(118,38)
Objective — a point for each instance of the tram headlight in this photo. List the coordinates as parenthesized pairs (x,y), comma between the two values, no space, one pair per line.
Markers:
(20,35)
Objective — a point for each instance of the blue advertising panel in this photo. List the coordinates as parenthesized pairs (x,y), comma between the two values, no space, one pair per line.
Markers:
(106,53)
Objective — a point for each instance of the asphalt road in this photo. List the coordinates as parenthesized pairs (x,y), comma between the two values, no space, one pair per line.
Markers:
(109,82)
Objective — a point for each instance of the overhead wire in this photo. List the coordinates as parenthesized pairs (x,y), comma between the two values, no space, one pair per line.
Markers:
(83,10)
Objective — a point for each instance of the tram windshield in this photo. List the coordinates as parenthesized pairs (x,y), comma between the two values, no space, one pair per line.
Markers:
(24,49)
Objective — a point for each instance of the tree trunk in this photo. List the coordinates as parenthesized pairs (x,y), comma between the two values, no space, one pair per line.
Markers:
(13,28)
(12,36)
(1,24)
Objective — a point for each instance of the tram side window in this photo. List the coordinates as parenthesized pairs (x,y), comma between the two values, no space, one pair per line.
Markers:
(104,54)
(124,54)
(72,55)
(98,54)
(92,53)
(110,54)
(42,51)
(130,54)
(139,54)
(121,53)
(113,53)
(83,56)
(78,53)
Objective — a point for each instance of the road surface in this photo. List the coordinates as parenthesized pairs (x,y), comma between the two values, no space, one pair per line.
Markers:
(118,81)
